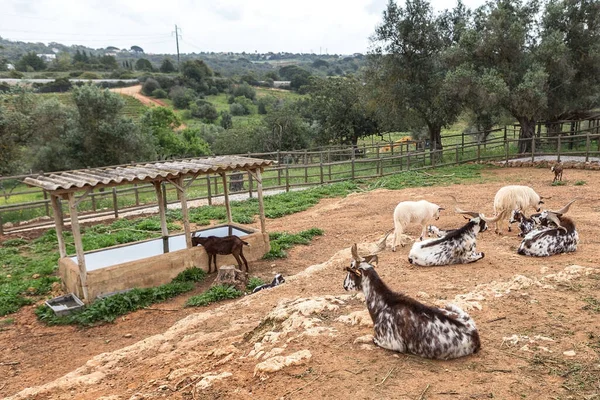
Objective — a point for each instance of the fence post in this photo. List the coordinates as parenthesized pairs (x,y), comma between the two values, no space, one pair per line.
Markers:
(115,204)
(208,190)
(1,228)
(506,147)
(380,166)
(505,136)
(392,149)
(305,173)
(587,147)
(558,149)
(46,204)
(352,168)
(93,198)
(305,157)
(407,161)
(463,139)
(321,170)
(287,178)
(478,152)
(249,185)
(456,150)
(533,149)
(137,196)
(217,186)
(377,156)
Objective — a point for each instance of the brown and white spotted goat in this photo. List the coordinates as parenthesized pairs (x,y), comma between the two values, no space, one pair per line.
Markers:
(407,326)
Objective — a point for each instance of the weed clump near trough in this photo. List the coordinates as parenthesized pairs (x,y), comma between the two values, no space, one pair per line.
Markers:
(281,241)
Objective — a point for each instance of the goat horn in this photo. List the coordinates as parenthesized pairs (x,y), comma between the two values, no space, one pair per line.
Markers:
(564,209)
(492,219)
(471,213)
(554,218)
(381,244)
(355,255)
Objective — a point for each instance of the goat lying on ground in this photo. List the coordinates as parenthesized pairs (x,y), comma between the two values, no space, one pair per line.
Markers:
(407,326)
(456,247)
(222,245)
(277,280)
(514,197)
(526,225)
(547,241)
(558,171)
(418,212)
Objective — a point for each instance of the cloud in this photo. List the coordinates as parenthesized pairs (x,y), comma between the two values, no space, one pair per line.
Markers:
(376,7)
(228,13)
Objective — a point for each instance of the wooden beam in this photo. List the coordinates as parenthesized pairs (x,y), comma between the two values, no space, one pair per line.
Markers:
(261,206)
(184,213)
(226,197)
(162,212)
(58,221)
(78,246)
(83,196)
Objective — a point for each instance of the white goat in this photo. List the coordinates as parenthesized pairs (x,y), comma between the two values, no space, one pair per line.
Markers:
(419,212)
(514,197)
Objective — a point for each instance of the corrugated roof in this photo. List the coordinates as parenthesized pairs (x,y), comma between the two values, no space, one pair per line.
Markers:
(112,176)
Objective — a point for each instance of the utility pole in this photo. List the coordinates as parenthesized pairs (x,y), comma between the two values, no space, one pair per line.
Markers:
(177,33)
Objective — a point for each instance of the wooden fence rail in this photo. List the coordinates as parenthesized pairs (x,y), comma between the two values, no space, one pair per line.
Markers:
(316,168)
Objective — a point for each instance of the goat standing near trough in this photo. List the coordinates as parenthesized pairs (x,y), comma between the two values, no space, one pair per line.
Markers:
(420,212)
(407,326)
(514,197)
(214,245)
(456,247)
(544,242)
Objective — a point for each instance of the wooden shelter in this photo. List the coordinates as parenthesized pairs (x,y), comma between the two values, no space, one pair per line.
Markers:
(65,184)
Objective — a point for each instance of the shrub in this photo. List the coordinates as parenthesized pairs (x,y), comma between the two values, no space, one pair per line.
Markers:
(580,183)
(89,75)
(226,121)
(253,283)
(281,241)
(237,109)
(212,295)
(159,94)
(244,90)
(181,97)
(205,111)
(150,86)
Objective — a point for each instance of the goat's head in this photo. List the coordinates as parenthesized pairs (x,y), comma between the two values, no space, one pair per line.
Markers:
(516,216)
(198,240)
(357,267)
(479,218)
(548,216)
(278,280)
(436,216)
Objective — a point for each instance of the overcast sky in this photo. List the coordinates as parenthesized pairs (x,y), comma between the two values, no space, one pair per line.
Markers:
(333,26)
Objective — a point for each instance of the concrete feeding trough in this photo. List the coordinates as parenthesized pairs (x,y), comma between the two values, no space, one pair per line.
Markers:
(148,263)
(65,305)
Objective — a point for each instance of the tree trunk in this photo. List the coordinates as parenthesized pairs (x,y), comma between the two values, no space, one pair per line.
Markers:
(527,132)
(435,143)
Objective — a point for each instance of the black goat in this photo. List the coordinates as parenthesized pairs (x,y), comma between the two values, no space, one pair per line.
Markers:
(222,245)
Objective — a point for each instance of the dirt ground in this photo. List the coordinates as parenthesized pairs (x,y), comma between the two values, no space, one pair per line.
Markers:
(538,319)
(136,91)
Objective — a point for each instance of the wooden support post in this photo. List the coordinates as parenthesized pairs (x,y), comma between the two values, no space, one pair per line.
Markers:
(137,195)
(115,203)
(261,206)
(46,204)
(164,193)
(184,213)
(93,198)
(162,213)
(208,190)
(58,222)
(216,186)
(587,147)
(250,184)
(226,197)
(287,178)
(78,246)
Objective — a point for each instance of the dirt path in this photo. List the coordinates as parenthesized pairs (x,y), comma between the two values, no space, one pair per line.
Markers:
(136,91)
(529,312)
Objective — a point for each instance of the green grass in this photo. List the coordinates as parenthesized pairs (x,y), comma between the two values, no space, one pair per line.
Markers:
(213,295)
(281,241)
(109,308)
(559,183)
(253,283)
(580,183)
(593,304)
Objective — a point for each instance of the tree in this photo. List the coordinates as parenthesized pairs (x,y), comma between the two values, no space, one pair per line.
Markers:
(149,86)
(502,41)
(226,120)
(110,62)
(167,66)
(407,69)
(136,49)
(339,106)
(205,111)
(244,90)
(15,128)
(195,72)
(143,64)
(286,129)
(31,60)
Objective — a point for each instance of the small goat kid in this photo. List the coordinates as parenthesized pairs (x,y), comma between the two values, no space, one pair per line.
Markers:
(277,280)
(214,245)
(419,212)
(558,171)
(526,225)
(458,246)
(407,326)
(547,241)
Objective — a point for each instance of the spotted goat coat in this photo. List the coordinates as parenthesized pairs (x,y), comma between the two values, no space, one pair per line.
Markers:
(458,246)
(547,241)
(526,225)
(407,326)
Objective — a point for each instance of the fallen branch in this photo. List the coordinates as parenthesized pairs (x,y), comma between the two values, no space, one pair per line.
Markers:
(355,373)
(424,391)
(495,319)
(387,376)
(9,362)
(499,370)
(452,392)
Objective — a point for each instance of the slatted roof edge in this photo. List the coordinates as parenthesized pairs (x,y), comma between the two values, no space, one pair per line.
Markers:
(123,174)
